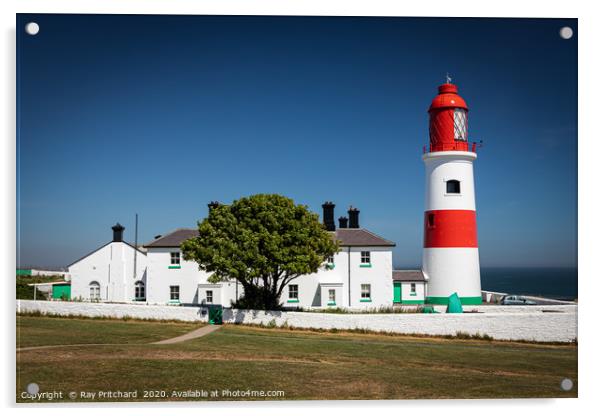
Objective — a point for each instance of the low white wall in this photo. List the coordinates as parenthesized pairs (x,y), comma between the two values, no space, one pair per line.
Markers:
(512,309)
(113,310)
(533,326)
(499,323)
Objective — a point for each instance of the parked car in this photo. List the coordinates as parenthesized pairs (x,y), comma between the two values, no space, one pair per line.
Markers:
(516,300)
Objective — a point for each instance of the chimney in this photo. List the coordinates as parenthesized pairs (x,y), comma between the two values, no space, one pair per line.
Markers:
(212,204)
(328,215)
(343,222)
(117,232)
(354,217)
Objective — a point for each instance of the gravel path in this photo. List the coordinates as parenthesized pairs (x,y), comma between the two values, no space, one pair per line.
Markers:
(197,333)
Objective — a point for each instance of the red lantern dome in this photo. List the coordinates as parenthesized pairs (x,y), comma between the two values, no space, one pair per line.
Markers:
(448,126)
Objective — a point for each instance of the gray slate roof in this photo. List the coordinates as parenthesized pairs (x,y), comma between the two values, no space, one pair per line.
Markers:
(360,237)
(174,238)
(408,275)
(349,237)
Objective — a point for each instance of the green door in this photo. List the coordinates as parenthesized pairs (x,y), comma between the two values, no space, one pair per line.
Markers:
(61,291)
(396,292)
(215,314)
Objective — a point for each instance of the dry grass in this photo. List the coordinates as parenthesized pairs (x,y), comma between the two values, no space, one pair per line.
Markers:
(303,364)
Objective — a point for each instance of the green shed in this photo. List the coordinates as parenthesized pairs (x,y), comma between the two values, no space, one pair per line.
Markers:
(61,291)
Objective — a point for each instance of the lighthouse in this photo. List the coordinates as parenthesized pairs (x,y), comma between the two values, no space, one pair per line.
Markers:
(450,258)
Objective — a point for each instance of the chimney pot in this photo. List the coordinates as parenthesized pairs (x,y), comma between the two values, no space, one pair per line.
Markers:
(354,217)
(328,215)
(343,222)
(117,232)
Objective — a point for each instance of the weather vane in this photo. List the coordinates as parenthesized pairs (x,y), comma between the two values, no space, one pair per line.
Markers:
(448,78)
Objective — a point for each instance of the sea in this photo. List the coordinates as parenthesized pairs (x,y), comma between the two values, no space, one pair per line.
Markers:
(548,282)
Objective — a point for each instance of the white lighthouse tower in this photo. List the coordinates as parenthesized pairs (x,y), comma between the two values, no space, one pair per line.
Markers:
(450,259)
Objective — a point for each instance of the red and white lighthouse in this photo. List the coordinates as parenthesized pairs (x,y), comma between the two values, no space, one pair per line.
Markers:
(450,259)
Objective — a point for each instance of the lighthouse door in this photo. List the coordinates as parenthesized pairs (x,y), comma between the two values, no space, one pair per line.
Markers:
(396,292)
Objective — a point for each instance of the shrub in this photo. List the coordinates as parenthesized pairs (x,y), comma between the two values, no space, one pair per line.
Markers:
(26,292)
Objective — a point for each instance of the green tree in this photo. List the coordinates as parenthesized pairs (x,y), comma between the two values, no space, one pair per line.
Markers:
(263,241)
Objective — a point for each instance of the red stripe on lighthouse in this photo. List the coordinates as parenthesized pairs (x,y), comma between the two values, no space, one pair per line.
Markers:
(450,228)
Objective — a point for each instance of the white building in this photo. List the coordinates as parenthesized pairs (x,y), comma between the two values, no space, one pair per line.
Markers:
(173,280)
(107,274)
(359,276)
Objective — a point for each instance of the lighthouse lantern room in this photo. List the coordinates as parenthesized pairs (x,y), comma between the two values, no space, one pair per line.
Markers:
(450,259)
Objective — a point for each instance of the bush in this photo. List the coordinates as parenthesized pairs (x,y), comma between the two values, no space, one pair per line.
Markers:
(24,291)
(254,302)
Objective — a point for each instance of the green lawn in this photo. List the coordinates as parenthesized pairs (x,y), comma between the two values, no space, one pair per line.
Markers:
(34,331)
(304,365)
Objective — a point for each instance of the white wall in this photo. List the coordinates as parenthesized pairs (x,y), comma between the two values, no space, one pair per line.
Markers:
(113,310)
(310,293)
(532,326)
(378,276)
(338,295)
(192,281)
(514,323)
(230,291)
(160,277)
(406,292)
(451,269)
(443,166)
(112,267)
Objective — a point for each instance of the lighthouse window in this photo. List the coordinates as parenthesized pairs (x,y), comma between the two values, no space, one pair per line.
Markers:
(453,186)
(460,124)
(431,220)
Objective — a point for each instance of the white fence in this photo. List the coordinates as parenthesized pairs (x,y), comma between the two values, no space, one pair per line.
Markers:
(536,323)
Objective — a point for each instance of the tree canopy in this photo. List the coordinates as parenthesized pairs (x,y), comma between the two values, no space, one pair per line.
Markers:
(263,241)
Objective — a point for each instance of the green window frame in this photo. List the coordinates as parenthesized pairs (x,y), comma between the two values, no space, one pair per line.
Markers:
(174,258)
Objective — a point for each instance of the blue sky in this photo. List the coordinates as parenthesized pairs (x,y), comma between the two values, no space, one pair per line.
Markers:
(158,115)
